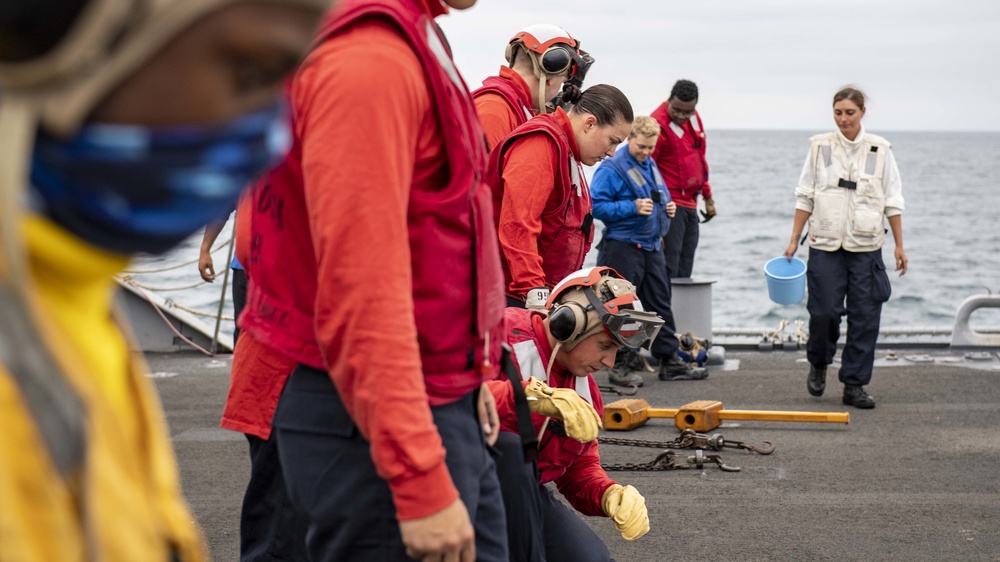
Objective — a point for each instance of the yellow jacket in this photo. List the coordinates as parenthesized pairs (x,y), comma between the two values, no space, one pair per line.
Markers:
(123,501)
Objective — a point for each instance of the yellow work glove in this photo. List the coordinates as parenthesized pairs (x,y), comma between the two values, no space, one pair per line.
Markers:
(709,211)
(579,418)
(627,509)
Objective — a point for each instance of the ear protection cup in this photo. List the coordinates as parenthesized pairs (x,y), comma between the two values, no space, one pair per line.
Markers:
(556,59)
(509,54)
(567,321)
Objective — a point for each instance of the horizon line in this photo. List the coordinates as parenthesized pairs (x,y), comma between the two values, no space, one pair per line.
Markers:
(889,130)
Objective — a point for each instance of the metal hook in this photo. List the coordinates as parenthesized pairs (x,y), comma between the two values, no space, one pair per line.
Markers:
(765,448)
(726,468)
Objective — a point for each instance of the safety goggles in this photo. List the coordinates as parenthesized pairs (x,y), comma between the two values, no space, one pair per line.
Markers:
(632,327)
(560,58)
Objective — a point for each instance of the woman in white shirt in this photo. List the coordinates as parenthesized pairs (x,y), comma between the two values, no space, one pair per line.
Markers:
(848,188)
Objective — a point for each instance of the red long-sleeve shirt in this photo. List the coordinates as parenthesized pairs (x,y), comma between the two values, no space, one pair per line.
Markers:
(496,115)
(534,204)
(367,134)
(681,159)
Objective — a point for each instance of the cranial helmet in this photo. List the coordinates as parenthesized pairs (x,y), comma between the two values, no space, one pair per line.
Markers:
(553,52)
(598,299)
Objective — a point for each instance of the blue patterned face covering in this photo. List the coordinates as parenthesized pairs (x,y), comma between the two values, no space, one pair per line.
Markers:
(135,189)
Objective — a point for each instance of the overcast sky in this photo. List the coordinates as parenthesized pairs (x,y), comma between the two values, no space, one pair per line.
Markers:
(770,64)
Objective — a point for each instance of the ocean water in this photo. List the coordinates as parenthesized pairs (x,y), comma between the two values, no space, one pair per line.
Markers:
(951,229)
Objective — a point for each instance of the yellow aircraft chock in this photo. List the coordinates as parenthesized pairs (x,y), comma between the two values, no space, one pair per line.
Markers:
(702,415)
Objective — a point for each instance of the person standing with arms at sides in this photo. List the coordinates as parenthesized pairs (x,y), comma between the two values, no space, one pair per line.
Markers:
(849,185)
(592,314)
(374,265)
(206,265)
(105,153)
(632,201)
(542,59)
(541,201)
(680,155)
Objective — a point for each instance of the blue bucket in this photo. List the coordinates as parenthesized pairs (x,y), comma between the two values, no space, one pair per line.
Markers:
(786,280)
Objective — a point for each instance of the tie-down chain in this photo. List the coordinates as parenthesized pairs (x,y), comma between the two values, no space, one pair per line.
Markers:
(688,439)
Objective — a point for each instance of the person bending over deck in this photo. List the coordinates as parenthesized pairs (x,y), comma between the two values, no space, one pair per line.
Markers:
(592,314)
(541,201)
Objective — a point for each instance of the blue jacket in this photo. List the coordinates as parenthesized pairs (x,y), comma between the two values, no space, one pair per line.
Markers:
(618,182)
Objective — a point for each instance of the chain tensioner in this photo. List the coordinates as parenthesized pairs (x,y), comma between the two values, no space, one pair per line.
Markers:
(688,439)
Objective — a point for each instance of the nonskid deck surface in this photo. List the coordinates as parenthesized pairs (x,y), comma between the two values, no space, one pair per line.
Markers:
(917,478)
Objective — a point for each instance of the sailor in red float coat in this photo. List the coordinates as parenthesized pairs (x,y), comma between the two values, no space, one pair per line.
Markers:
(575,467)
(542,204)
(680,156)
(503,103)
(375,265)
(554,355)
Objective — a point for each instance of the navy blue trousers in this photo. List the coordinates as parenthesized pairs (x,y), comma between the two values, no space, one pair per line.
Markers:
(540,527)
(239,287)
(645,270)
(270,526)
(330,475)
(861,279)
(680,243)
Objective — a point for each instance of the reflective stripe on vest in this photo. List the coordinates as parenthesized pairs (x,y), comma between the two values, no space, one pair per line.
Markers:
(530,364)
(635,174)
(871,161)
(695,123)
(575,171)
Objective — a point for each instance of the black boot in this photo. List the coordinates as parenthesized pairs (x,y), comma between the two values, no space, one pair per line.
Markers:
(857,397)
(638,362)
(816,383)
(621,374)
(673,369)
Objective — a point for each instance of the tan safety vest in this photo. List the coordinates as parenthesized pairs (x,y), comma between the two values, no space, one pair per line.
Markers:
(849,198)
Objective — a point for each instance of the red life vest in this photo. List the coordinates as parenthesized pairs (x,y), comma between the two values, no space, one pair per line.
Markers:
(455,258)
(508,90)
(682,159)
(567,228)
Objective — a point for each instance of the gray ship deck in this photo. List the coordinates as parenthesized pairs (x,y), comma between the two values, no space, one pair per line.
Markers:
(915,479)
